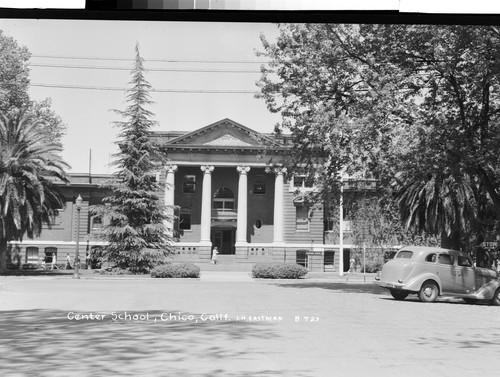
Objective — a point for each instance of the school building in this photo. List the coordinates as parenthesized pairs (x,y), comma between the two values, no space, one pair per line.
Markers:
(228,188)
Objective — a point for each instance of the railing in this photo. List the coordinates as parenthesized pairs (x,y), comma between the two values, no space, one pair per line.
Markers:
(224,214)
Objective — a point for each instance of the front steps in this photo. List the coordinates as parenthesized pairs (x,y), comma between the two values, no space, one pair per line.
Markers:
(226,263)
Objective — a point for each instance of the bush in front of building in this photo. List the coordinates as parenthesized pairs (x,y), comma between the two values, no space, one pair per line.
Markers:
(278,271)
(181,270)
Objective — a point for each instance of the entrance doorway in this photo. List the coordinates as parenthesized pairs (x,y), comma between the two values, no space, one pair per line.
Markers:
(347,259)
(224,239)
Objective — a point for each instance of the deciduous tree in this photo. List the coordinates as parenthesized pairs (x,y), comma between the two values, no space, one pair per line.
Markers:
(419,100)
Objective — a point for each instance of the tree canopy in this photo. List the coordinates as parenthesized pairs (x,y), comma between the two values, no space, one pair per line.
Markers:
(133,215)
(14,85)
(415,106)
(30,163)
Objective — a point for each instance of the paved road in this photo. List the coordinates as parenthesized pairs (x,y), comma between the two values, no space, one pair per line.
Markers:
(222,326)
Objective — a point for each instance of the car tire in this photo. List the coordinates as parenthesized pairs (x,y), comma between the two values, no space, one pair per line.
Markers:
(496,298)
(399,295)
(429,291)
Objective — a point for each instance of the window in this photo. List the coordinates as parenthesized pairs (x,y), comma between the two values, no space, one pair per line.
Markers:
(431,258)
(301,258)
(189,184)
(32,254)
(259,186)
(96,222)
(329,260)
(223,200)
(405,254)
(302,182)
(445,259)
(302,218)
(464,261)
(48,254)
(185,219)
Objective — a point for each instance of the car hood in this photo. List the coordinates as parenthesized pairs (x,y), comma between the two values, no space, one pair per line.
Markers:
(487,273)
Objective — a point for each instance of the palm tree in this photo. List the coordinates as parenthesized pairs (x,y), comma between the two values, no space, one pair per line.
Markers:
(442,204)
(30,163)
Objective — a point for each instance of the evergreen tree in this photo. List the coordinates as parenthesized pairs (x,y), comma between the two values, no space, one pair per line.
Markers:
(133,215)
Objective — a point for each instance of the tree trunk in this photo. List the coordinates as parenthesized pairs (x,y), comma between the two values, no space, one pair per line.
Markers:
(3,254)
(452,241)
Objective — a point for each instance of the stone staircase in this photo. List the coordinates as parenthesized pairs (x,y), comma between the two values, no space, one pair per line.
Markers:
(226,263)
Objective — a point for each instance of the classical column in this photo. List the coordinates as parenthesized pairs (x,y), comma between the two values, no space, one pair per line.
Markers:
(241,229)
(169,197)
(278,202)
(206,203)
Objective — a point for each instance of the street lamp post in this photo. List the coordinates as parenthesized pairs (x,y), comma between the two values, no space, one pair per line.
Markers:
(76,275)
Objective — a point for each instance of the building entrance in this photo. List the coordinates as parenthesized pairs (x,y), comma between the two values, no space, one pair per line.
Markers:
(224,240)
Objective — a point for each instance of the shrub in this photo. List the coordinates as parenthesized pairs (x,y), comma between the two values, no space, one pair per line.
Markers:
(373,266)
(183,270)
(278,271)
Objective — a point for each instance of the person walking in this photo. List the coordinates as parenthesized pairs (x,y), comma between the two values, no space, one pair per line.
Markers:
(54,261)
(215,253)
(41,263)
(68,262)
(352,262)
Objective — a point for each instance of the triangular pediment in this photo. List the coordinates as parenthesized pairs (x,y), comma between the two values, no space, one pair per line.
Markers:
(228,140)
(225,133)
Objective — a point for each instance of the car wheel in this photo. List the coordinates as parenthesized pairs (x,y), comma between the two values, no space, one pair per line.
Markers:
(428,292)
(399,295)
(496,298)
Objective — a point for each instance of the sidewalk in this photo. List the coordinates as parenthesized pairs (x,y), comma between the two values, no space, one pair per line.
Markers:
(205,275)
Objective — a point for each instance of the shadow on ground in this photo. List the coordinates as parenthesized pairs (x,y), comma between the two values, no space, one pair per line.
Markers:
(48,343)
(345,287)
(56,272)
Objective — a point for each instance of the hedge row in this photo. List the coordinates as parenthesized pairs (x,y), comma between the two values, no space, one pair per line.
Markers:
(278,271)
(182,270)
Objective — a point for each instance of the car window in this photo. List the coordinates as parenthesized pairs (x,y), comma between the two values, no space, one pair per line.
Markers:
(445,259)
(464,261)
(404,254)
(431,258)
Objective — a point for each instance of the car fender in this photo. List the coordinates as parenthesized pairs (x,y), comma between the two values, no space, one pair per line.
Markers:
(415,284)
(486,291)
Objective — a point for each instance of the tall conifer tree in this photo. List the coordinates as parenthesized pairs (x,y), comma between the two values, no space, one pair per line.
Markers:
(133,215)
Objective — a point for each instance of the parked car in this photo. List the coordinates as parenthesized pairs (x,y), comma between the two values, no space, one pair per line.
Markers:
(431,271)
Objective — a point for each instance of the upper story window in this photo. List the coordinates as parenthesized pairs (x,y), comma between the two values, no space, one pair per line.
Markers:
(223,199)
(302,218)
(189,184)
(259,186)
(302,182)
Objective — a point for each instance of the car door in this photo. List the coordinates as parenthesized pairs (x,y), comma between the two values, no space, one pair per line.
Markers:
(464,275)
(445,271)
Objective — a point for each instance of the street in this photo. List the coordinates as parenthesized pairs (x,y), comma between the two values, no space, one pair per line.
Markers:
(107,326)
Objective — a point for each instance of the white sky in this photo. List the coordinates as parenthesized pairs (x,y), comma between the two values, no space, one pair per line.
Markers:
(88,112)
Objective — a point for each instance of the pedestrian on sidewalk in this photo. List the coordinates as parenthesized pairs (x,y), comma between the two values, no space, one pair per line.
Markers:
(215,253)
(41,263)
(68,262)
(352,262)
(54,261)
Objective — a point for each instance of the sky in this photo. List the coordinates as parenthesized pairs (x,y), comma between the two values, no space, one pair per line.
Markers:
(84,66)
(76,63)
